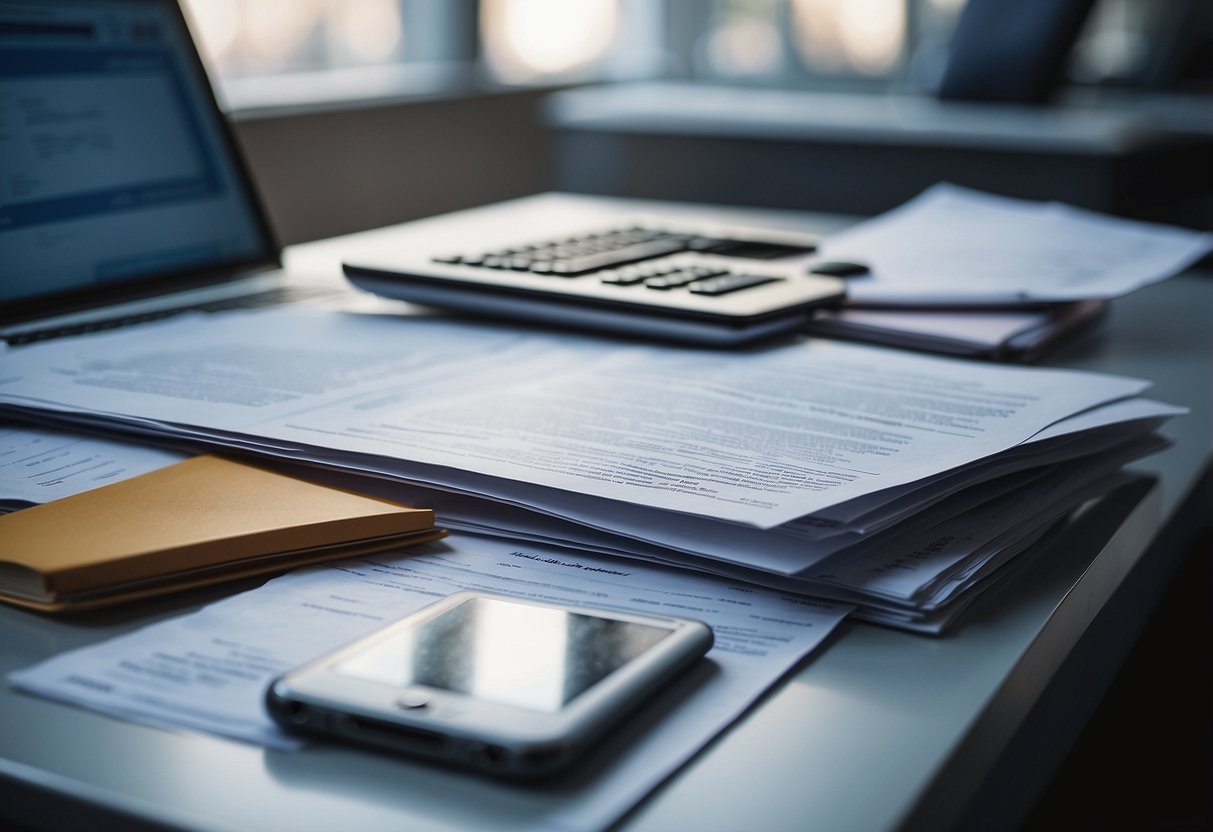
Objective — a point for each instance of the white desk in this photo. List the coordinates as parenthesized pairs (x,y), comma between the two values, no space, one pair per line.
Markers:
(880,730)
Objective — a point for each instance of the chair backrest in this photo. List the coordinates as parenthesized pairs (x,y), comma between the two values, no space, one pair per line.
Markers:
(1011,50)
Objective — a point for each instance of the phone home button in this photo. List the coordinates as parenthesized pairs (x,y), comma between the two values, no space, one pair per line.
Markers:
(413,700)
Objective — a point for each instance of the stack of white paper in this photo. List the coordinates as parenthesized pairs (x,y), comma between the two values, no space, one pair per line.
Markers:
(892,481)
(963,272)
(1001,334)
(952,245)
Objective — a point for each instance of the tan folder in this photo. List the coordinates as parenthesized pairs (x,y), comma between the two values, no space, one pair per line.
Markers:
(201,521)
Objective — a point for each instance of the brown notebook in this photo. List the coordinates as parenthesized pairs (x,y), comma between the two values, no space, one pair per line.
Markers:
(201,521)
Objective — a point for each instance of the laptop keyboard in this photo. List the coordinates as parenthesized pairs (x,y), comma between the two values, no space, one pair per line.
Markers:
(271,297)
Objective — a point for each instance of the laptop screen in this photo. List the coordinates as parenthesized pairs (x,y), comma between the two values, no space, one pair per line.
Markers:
(118,176)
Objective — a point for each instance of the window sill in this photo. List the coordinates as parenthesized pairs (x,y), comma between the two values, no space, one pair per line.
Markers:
(360,88)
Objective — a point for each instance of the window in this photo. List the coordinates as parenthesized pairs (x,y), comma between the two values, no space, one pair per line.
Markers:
(878,44)
(243,38)
(299,50)
(528,40)
(286,50)
(811,43)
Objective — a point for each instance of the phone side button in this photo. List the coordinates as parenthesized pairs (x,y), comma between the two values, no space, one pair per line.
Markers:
(413,700)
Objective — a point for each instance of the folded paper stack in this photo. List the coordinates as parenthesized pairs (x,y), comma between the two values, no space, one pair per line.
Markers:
(901,483)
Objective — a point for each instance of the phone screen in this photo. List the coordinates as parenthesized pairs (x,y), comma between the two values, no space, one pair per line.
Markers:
(539,658)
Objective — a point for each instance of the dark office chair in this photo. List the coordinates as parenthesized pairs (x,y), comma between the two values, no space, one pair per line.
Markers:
(1011,50)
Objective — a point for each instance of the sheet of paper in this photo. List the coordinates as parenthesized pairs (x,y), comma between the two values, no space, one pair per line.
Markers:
(787,549)
(968,332)
(37,466)
(910,565)
(208,671)
(1090,431)
(759,438)
(955,245)
(976,526)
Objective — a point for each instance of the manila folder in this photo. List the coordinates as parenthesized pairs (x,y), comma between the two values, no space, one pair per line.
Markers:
(205,519)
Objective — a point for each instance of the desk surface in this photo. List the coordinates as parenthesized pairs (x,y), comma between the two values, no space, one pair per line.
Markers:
(880,730)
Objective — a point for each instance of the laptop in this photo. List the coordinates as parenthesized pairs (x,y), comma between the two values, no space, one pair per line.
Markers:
(123,196)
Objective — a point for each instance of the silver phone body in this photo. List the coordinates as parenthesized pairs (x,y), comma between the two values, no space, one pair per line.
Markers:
(507,687)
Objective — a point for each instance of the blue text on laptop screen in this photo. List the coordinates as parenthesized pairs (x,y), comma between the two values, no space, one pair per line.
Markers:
(112,167)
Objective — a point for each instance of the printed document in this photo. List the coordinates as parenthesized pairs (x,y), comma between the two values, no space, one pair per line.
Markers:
(758,438)
(37,466)
(952,245)
(208,671)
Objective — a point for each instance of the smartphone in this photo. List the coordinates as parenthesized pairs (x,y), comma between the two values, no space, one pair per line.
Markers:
(506,687)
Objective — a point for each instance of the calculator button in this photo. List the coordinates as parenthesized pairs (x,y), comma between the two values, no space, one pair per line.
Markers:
(576,264)
(730,283)
(623,277)
(413,700)
(839,268)
(448,258)
(672,280)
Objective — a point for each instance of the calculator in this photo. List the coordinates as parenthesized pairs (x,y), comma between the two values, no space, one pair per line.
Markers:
(681,282)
